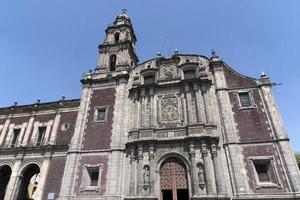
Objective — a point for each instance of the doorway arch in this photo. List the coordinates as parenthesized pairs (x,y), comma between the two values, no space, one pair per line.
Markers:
(29,182)
(173,180)
(5,172)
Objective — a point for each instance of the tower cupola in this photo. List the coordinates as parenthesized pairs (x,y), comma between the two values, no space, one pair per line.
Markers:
(117,51)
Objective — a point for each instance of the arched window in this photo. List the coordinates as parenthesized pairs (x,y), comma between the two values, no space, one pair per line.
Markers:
(5,172)
(112,62)
(117,37)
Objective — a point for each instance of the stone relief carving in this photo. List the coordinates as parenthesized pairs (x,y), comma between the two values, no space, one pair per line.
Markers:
(167,73)
(169,109)
(146,177)
(201,175)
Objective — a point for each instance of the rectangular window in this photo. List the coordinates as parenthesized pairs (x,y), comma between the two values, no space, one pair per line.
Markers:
(91,178)
(265,172)
(100,114)
(16,134)
(245,100)
(41,135)
(94,177)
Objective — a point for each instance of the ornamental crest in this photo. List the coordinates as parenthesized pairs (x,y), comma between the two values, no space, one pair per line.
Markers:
(167,72)
(169,109)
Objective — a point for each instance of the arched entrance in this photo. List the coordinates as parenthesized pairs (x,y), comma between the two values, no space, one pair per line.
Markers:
(173,180)
(29,182)
(5,172)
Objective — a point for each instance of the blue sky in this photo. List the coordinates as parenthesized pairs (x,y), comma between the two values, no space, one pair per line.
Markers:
(45,46)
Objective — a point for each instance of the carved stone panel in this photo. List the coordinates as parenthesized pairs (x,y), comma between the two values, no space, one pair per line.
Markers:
(169,110)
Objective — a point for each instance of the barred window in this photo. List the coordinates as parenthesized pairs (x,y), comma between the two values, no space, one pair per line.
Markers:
(245,100)
(100,114)
(265,171)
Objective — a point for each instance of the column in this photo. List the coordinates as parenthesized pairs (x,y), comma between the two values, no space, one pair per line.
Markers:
(207,105)
(4,131)
(151,118)
(218,170)
(152,168)
(209,171)
(132,188)
(28,130)
(15,179)
(195,181)
(140,170)
(42,178)
(188,103)
(55,128)
(199,103)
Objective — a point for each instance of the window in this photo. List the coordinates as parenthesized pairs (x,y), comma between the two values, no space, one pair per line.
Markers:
(150,79)
(189,74)
(100,114)
(112,62)
(94,177)
(16,134)
(41,135)
(91,178)
(265,174)
(117,37)
(245,100)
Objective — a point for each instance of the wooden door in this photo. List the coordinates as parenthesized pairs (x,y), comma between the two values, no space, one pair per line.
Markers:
(173,179)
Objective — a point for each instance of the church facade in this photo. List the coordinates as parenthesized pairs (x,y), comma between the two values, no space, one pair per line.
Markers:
(183,127)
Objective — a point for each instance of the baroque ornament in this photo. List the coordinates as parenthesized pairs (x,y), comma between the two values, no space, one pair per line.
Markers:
(169,109)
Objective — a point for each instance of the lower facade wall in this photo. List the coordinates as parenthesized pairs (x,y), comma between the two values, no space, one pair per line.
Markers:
(53,180)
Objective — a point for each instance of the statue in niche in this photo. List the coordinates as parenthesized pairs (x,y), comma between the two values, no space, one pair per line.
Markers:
(146,177)
(201,175)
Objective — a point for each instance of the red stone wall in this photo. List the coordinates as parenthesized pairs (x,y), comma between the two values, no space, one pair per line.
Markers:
(252,124)
(264,150)
(54,176)
(92,160)
(234,80)
(98,135)
(64,137)
(45,118)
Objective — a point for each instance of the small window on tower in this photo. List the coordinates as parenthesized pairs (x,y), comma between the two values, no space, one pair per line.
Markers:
(264,172)
(112,62)
(16,134)
(101,114)
(117,37)
(91,178)
(245,100)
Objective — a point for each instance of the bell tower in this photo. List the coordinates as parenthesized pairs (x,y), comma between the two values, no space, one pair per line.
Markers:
(117,51)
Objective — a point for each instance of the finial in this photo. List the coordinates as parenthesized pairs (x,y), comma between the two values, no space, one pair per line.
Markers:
(124,10)
(63,98)
(263,74)
(158,54)
(15,104)
(214,56)
(213,53)
(176,51)
(38,101)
